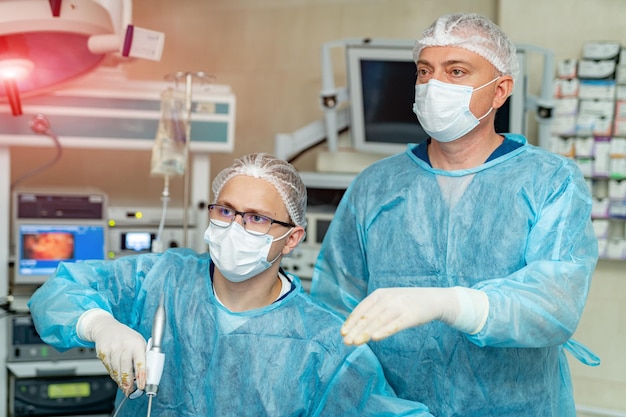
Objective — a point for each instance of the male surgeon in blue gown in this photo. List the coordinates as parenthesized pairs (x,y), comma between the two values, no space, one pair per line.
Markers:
(241,337)
(465,261)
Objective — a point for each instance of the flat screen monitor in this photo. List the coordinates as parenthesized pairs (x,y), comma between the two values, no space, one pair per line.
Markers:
(137,241)
(40,247)
(381,87)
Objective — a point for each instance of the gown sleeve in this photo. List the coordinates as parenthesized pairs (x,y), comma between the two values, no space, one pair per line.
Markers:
(541,303)
(114,286)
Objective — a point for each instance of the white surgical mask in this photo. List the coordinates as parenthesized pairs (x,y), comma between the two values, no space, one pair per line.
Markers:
(443,109)
(237,254)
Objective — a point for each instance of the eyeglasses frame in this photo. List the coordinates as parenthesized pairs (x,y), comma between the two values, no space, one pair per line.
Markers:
(243,213)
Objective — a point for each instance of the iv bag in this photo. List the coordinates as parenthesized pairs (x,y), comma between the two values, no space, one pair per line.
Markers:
(169,152)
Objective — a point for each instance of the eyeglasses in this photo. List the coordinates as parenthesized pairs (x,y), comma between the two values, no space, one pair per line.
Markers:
(253,223)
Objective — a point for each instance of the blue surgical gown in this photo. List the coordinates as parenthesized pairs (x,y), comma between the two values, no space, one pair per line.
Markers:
(518,228)
(286,359)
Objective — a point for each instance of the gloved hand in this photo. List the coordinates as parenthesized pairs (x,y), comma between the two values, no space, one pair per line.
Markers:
(121,349)
(387,311)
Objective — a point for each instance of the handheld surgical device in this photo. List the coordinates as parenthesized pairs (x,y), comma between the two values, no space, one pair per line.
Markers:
(154,357)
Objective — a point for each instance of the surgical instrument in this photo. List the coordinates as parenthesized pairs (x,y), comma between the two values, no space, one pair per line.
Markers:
(154,360)
(154,357)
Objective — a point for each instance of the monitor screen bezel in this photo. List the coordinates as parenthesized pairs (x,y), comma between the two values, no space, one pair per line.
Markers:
(20,275)
(402,52)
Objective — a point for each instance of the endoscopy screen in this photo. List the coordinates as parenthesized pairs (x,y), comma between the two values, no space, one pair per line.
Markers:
(42,247)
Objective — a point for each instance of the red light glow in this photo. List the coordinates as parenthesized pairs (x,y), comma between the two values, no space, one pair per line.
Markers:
(15,68)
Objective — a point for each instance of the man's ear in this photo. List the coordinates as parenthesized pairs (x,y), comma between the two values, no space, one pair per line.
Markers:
(504,88)
(295,237)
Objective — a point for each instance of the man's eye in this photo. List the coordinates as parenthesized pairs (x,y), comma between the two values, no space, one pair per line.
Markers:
(226,212)
(257,218)
(457,72)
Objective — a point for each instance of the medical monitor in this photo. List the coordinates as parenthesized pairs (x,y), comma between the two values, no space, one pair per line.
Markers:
(54,227)
(137,241)
(41,247)
(381,80)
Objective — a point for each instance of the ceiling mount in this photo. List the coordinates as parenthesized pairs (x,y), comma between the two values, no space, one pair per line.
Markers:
(58,41)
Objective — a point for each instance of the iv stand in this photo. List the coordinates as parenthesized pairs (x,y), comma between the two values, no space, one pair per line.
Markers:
(189,79)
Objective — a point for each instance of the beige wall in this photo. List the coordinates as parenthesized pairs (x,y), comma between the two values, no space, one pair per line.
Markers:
(268,52)
(603,330)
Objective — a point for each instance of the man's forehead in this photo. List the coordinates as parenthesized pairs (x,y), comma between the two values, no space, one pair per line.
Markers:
(252,193)
(437,55)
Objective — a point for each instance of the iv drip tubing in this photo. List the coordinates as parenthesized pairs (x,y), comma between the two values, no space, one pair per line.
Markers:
(189,77)
(165,198)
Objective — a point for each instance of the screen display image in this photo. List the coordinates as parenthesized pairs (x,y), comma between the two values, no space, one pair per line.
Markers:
(69,390)
(48,245)
(137,241)
(321,229)
(388,96)
(42,247)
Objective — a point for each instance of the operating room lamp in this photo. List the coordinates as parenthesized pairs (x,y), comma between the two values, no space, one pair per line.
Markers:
(45,43)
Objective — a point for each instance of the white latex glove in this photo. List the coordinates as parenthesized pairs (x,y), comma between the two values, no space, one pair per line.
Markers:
(387,311)
(121,349)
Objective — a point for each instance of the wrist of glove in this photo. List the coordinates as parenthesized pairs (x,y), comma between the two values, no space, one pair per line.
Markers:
(121,349)
(389,310)
(472,309)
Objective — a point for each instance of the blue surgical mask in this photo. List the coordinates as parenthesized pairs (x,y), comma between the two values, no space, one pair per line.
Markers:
(237,254)
(443,109)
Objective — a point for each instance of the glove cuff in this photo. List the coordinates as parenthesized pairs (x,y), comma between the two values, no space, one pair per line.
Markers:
(473,309)
(88,320)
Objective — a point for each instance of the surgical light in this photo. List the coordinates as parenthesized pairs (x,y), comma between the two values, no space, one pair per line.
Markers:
(15,69)
(12,70)
(46,43)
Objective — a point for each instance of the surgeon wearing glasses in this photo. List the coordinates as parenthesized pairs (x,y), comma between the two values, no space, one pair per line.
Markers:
(242,338)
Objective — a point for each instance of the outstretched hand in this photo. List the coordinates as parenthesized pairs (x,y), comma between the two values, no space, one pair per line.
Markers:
(389,310)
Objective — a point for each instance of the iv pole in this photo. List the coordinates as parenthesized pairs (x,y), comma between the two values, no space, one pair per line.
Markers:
(189,78)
